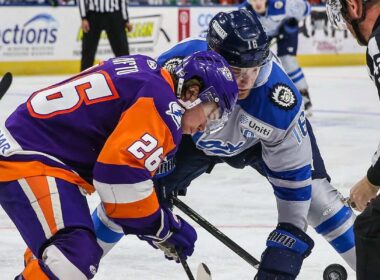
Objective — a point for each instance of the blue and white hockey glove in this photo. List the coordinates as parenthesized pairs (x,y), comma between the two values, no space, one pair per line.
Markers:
(175,236)
(287,247)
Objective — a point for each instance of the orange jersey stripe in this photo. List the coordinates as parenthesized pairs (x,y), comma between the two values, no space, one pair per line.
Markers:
(10,171)
(28,256)
(166,75)
(141,118)
(137,209)
(33,271)
(40,187)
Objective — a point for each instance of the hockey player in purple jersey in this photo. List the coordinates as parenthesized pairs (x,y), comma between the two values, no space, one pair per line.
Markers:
(106,129)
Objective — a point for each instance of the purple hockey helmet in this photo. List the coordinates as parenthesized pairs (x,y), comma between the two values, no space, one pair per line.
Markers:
(218,84)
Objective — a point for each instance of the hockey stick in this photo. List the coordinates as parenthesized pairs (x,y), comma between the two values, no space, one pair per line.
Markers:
(216,232)
(186,267)
(203,273)
(5,83)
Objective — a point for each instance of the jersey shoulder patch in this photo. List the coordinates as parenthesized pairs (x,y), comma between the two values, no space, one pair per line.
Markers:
(283,96)
(276,7)
(172,63)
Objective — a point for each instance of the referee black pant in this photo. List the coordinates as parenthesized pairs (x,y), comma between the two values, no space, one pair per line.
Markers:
(367,238)
(114,25)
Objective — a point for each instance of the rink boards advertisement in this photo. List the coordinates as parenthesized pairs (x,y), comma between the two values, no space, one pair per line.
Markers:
(48,40)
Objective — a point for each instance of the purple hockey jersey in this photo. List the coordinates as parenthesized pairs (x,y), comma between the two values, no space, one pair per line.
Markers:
(108,127)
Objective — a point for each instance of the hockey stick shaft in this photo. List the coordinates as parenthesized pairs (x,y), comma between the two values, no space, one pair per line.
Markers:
(185,265)
(187,269)
(216,233)
(5,83)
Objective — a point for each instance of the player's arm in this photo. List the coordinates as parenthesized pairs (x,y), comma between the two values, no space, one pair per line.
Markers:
(122,177)
(83,8)
(172,57)
(366,189)
(288,165)
(373,173)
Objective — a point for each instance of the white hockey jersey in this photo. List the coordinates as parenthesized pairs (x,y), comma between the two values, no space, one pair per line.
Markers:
(272,116)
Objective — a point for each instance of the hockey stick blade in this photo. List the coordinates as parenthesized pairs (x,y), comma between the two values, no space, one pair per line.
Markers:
(203,273)
(5,83)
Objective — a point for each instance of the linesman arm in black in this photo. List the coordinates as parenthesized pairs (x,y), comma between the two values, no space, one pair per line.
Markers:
(373,63)
(373,173)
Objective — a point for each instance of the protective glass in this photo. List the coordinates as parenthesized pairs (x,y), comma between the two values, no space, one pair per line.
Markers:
(337,17)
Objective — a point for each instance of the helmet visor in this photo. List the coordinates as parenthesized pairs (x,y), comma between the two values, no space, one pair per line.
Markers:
(210,103)
(208,95)
(245,77)
(334,10)
(244,59)
(214,125)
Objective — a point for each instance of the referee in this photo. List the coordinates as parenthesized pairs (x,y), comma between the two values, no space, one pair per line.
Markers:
(99,15)
(362,17)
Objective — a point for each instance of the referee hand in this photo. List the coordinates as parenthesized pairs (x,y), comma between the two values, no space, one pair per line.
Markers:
(361,193)
(85,25)
(129,26)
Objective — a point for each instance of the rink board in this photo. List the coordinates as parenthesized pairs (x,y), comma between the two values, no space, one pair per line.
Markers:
(46,40)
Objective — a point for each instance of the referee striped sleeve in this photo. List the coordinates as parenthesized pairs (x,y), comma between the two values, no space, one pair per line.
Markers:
(124,9)
(373,47)
(373,63)
(82,8)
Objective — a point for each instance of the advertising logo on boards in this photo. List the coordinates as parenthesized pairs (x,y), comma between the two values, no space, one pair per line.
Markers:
(34,37)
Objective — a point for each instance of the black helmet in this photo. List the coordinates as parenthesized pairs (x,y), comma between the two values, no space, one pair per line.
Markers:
(239,37)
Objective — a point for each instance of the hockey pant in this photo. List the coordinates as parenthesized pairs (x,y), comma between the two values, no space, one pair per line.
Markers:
(367,236)
(54,220)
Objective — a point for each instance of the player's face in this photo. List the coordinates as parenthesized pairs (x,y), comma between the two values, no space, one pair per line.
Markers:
(195,119)
(258,5)
(245,78)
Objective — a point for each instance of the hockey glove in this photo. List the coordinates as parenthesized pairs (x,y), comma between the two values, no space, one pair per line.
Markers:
(175,236)
(290,26)
(287,247)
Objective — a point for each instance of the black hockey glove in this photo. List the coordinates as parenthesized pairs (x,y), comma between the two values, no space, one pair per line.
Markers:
(290,26)
(287,247)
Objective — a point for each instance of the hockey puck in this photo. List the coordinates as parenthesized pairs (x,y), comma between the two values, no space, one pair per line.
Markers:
(335,272)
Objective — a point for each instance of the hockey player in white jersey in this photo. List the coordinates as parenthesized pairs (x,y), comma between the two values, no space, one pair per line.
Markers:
(269,132)
(280,21)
